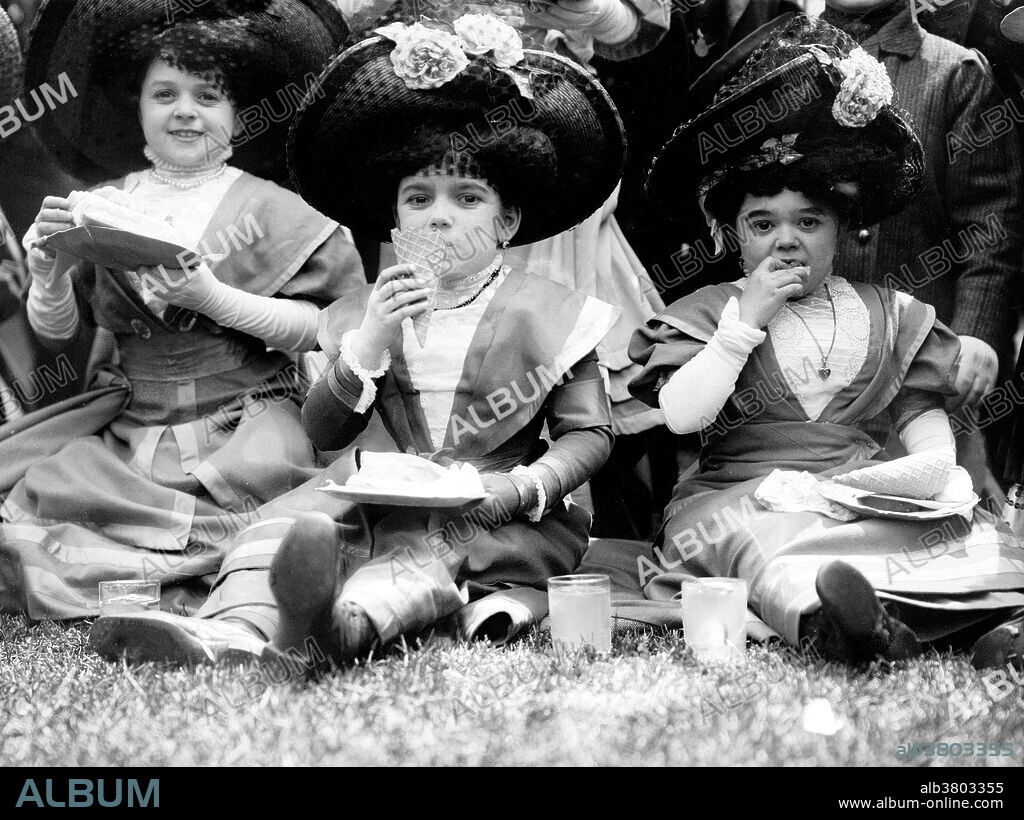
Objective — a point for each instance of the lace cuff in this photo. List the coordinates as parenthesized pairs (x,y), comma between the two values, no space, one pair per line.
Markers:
(365,376)
(536,512)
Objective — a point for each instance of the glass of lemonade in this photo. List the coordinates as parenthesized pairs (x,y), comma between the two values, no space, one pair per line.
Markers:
(121,597)
(715,617)
(581,611)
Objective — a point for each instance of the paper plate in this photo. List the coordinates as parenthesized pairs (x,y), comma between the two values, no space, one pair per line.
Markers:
(895,507)
(416,496)
(116,248)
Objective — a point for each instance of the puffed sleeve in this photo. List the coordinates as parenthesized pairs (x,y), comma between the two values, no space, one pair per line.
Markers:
(672,338)
(333,270)
(660,349)
(929,378)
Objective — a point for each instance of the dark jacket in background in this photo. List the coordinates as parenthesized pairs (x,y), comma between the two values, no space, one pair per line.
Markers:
(958,246)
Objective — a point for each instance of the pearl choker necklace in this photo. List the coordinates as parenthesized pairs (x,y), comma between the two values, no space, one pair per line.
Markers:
(185,176)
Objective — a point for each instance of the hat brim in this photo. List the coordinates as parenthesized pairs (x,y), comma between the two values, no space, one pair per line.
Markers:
(794,98)
(96,135)
(361,98)
(1012,26)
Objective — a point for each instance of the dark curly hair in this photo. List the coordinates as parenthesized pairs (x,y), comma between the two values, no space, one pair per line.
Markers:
(513,163)
(823,174)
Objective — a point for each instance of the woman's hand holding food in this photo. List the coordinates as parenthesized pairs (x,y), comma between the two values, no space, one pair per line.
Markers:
(190,286)
(53,216)
(398,294)
(768,288)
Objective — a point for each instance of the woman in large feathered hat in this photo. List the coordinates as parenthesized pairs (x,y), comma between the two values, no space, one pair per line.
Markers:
(456,143)
(193,418)
(782,369)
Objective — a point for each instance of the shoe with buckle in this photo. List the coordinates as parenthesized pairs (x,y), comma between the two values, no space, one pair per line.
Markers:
(852,625)
(160,637)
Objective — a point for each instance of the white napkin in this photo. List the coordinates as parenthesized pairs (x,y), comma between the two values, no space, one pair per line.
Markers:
(790,491)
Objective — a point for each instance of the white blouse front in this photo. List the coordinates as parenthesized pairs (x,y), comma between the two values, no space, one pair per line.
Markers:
(187,210)
(799,347)
(435,369)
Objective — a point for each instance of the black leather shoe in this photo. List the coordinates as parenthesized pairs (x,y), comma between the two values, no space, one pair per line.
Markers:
(853,626)
(303,578)
(1001,646)
(143,637)
(315,626)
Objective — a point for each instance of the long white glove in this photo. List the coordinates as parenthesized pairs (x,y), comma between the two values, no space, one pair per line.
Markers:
(929,431)
(52,310)
(287,324)
(696,393)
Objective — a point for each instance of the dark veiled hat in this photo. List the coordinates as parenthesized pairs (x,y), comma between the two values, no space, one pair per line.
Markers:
(363,106)
(809,97)
(268,51)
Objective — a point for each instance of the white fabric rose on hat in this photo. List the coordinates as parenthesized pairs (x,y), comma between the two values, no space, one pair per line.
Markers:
(482,33)
(425,57)
(866,88)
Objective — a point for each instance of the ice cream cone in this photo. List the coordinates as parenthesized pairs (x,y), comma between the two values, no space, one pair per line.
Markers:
(425,251)
(922,475)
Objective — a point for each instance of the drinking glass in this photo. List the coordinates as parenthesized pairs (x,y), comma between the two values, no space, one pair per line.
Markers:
(715,617)
(581,611)
(120,597)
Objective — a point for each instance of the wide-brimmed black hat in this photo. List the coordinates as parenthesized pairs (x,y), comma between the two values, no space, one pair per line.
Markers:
(365,109)
(267,50)
(11,64)
(809,95)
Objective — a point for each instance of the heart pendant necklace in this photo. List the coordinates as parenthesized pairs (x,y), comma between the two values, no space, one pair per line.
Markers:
(824,371)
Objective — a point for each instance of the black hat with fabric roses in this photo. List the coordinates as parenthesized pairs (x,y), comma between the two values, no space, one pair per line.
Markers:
(459,98)
(265,52)
(809,98)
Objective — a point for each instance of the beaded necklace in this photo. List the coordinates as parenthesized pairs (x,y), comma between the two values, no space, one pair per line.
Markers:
(488,275)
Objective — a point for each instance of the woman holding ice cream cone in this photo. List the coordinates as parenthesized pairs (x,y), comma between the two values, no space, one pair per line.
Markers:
(388,146)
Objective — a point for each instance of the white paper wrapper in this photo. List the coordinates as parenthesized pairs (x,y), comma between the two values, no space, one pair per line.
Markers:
(424,250)
(790,491)
(112,208)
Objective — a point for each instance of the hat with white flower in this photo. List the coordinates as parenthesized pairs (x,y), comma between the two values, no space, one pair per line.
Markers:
(808,98)
(464,98)
(94,54)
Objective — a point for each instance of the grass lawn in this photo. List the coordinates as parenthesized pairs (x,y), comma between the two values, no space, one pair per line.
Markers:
(649,703)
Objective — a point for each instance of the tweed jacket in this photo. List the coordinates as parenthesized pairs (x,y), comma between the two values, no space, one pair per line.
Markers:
(958,246)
